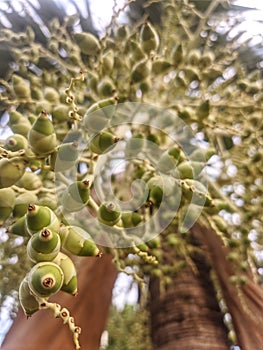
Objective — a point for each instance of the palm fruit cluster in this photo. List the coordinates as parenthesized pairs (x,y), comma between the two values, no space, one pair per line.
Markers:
(73,90)
(53,269)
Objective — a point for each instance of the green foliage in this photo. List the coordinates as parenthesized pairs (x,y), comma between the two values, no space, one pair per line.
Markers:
(128,329)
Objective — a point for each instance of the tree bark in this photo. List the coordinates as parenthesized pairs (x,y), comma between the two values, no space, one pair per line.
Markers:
(244,302)
(187,316)
(90,308)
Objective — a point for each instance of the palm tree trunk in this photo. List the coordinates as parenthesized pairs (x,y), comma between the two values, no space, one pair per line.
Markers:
(244,302)
(90,310)
(187,316)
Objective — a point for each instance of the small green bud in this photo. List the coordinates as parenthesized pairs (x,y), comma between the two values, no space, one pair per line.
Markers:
(106,87)
(149,38)
(51,95)
(177,55)
(18,123)
(107,62)
(60,113)
(88,43)
(140,71)
(161,66)
(21,87)
(203,110)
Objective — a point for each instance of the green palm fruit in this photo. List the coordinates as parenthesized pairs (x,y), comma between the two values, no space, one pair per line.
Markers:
(153,138)
(177,55)
(92,81)
(16,142)
(11,170)
(47,199)
(18,123)
(45,279)
(43,245)
(60,113)
(19,227)
(140,71)
(173,240)
(188,216)
(122,32)
(154,243)
(21,87)
(191,73)
(99,114)
(145,85)
(35,165)
(70,283)
(194,57)
(220,223)
(64,157)
(51,95)
(77,241)
(43,105)
(21,203)
(167,162)
(201,155)
(109,213)
(155,185)
(196,192)
(189,169)
(149,38)
(76,197)
(7,202)
(27,300)
(38,217)
(143,247)
(42,137)
(130,219)
(106,87)
(88,43)
(103,142)
(207,59)
(30,181)
(134,145)
(161,66)
(107,62)
(203,110)
(136,52)
(37,93)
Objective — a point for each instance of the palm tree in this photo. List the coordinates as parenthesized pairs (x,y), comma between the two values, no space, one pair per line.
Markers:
(211,258)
